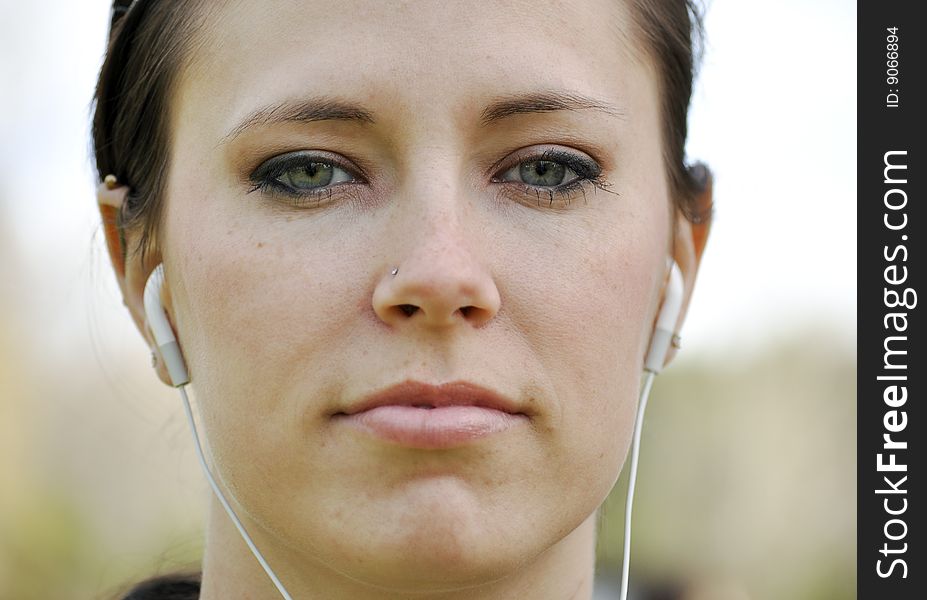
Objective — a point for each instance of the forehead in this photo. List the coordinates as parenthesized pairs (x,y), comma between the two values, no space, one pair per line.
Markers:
(410,57)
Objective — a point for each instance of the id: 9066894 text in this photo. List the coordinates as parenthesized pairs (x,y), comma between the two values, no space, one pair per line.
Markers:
(892,59)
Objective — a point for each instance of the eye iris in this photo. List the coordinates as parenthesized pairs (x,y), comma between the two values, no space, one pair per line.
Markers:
(542,172)
(309,176)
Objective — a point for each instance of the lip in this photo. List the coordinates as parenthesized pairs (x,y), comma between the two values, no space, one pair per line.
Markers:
(425,416)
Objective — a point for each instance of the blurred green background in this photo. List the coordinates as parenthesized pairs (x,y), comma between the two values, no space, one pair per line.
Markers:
(747,486)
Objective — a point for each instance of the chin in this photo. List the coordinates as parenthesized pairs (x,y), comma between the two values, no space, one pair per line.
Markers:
(438,565)
(441,551)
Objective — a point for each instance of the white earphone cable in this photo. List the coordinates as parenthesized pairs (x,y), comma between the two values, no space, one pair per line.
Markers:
(632,479)
(215,488)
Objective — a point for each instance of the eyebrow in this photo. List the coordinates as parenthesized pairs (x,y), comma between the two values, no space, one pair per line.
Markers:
(542,102)
(303,111)
(325,108)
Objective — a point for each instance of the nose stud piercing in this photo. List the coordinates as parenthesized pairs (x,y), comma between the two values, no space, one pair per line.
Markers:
(394,271)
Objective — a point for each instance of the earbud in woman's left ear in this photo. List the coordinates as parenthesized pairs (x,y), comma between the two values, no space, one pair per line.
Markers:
(664,334)
(161,328)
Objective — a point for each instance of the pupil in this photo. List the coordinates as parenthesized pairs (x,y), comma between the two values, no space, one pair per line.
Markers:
(543,173)
(312,175)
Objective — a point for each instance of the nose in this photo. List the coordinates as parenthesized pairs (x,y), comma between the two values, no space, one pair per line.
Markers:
(441,281)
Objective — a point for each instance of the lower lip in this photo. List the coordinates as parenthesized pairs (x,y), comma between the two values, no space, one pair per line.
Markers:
(433,428)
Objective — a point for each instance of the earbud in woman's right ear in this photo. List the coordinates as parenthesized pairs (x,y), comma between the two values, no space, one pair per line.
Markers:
(161,328)
(177,369)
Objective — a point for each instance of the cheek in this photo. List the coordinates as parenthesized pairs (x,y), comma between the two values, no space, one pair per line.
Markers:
(588,311)
(262,306)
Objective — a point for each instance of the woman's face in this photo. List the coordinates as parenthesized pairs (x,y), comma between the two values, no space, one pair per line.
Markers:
(506,157)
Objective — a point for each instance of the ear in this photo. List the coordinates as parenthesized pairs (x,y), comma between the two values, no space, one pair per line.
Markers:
(131,274)
(689,244)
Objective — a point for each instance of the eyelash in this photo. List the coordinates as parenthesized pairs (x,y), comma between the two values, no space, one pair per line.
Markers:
(266,178)
(587,171)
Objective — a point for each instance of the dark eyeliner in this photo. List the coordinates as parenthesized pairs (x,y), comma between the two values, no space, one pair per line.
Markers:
(266,177)
(588,172)
(585,168)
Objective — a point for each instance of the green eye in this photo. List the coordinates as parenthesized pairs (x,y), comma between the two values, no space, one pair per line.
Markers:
(553,169)
(553,173)
(300,175)
(544,173)
(311,175)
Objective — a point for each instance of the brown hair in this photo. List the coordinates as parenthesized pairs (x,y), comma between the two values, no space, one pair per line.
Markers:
(673,33)
(148,45)
(151,40)
(176,586)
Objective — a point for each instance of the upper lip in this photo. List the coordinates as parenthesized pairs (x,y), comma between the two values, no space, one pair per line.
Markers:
(417,393)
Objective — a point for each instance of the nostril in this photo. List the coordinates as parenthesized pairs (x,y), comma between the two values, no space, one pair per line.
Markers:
(408,309)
